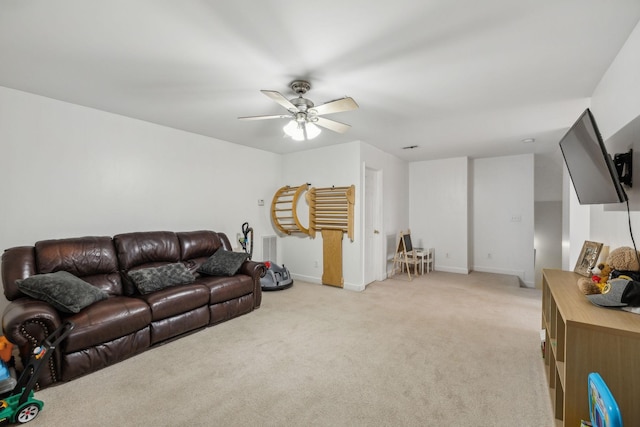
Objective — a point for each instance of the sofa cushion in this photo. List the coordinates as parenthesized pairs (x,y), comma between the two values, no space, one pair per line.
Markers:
(198,244)
(91,258)
(223,263)
(152,279)
(62,290)
(105,321)
(143,249)
(222,288)
(175,300)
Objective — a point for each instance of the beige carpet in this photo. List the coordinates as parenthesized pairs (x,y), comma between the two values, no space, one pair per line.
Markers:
(442,350)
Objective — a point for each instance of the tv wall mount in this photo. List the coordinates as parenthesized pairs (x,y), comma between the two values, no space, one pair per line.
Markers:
(624,167)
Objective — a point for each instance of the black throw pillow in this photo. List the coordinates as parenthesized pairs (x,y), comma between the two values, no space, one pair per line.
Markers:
(223,263)
(62,290)
(152,279)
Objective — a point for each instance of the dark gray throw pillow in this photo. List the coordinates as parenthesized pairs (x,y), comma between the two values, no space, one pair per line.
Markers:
(62,290)
(152,279)
(223,263)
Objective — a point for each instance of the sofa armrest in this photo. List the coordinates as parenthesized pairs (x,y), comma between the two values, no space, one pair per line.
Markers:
(27,323)
(25,311)
(256,270)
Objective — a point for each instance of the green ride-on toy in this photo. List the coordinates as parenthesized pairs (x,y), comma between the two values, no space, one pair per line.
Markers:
(19,406)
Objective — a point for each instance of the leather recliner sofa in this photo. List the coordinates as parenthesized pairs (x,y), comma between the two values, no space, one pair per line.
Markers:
(125,322)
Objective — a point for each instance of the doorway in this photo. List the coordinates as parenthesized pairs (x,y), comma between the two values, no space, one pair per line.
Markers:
(373,244)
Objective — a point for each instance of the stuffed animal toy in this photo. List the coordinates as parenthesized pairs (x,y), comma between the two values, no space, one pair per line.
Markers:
(623,258)
(589,287)
(595,284)
(603,275)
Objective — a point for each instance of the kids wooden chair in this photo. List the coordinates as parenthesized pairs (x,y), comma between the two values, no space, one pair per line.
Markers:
(406,255)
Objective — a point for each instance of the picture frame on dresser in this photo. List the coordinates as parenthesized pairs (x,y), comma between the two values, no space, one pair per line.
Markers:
(588,258)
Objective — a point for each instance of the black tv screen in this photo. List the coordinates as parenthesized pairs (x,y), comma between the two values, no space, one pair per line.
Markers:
(590,166)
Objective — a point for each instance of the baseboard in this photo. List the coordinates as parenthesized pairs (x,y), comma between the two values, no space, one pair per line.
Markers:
(519,273)
(308,279)
(440,268)
(318,281)
(456,270)
(353,287)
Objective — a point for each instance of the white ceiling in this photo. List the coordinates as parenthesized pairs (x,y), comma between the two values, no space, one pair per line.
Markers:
(457,78)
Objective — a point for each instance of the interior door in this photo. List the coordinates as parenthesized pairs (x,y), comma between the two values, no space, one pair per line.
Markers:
(372,226)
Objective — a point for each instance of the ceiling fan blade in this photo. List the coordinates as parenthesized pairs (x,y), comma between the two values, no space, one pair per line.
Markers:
(337,106)
(278,116)
(332,125)
(280,99)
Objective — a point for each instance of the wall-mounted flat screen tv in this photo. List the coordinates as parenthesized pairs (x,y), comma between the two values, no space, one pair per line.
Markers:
(591,168)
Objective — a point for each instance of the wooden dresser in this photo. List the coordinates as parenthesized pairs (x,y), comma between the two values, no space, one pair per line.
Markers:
(581,338)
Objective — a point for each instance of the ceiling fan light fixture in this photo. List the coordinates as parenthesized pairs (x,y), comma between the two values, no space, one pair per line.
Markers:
(296,130)
(312,130)
(304,116)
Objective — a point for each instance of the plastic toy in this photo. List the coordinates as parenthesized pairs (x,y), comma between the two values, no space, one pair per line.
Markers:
(276,277)
(6,348)
(19,405)
(603,409)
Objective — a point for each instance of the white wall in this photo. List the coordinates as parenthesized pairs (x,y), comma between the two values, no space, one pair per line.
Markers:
(342,165)
(336,165)
(575,224)
(616,106)
(503,216)
(439,211)
(548,183)
(547,237)
(548,176)
(68,170)
(616,100)
(395,214)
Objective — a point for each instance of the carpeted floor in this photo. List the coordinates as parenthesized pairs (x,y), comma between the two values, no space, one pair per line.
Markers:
(442,350)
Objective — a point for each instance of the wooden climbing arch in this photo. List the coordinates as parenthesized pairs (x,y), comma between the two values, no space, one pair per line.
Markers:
(284,209)
(331,212)
(331,208)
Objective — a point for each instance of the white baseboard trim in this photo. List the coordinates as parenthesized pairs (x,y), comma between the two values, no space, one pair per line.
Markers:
(518,273)
(354,288)
(309,279)
(318,281)
(457,270)
(445,269)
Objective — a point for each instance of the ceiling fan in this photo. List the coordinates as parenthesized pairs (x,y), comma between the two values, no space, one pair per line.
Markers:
(304,116)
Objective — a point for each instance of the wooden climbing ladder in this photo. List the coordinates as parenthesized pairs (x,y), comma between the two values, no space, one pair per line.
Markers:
(330,213)
(284,209)
(331,208)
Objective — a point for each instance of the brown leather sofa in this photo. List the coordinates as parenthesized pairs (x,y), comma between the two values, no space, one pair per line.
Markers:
(126,322)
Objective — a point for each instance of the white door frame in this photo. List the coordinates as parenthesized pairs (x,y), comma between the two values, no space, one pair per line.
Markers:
(374,262)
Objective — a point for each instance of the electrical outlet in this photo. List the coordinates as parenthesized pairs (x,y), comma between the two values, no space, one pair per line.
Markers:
(260,202)
(316,264)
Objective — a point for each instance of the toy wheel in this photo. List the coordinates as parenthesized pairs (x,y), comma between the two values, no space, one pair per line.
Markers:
(27,413)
